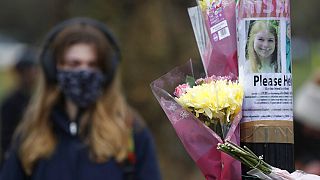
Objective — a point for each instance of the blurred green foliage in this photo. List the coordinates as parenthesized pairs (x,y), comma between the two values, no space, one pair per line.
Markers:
(7,82)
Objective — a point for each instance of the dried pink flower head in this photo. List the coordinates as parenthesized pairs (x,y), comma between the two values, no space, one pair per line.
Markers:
(181,89)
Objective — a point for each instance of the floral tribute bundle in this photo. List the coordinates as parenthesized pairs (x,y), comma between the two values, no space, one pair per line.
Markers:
(204,104)
(214,26)
(215,101)
(204,113)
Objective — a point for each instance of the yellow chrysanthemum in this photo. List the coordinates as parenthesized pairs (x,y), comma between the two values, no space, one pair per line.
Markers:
(219,99)
(205,4)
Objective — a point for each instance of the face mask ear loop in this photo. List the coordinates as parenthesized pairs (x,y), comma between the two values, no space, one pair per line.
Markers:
(74,125)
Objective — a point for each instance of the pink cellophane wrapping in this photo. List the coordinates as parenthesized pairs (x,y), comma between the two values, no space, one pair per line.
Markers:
(199,140)
(221,58)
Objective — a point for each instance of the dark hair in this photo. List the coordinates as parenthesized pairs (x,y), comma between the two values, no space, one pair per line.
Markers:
(27,59)
(83,33)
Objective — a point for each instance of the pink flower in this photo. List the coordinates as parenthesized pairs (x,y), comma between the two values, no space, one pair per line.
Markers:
(206,80)
(212,78)
(181,89)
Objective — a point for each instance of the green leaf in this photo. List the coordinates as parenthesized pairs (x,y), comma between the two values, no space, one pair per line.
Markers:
(190,80)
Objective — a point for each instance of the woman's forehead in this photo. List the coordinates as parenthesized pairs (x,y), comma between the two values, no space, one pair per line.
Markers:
(81,51)
(265,34)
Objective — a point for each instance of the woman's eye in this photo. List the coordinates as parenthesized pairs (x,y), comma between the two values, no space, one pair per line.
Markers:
(72,63)
(271,40)
(93,64)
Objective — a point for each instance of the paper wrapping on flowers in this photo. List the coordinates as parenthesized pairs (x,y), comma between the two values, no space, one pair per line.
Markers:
(214,25)
(198,139)
(278,174)
(259,168)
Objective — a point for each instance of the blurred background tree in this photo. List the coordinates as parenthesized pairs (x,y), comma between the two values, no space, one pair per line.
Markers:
(155,36)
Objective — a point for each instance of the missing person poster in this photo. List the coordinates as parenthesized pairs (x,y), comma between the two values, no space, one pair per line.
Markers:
(264,57)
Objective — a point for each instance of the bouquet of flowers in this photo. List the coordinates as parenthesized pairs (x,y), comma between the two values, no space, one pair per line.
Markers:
(205,108)
(203,112)
(214,26)
(260,168)
(215,101)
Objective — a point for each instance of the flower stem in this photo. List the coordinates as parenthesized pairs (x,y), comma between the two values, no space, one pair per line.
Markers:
(245,156)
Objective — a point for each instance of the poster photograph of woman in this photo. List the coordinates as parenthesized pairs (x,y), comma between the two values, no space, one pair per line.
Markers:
(262,46)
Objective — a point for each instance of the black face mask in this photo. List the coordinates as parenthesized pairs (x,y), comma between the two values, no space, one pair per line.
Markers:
(82,87)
